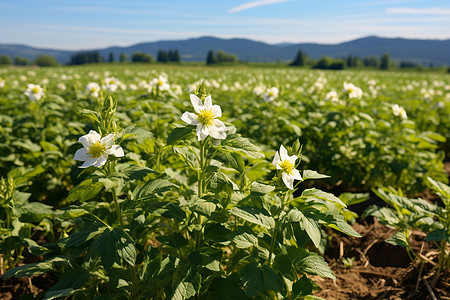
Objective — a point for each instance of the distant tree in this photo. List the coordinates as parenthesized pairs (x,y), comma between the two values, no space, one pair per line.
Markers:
(88,57)
(123,57)
(162,56)
(46,61)
(174,56)
(21,61)
(111,57)
(5,60)
(371,61)
(448,70)
(328,63)
(223,57)
(210,58)
(300,59)
(385,61)
(142,57)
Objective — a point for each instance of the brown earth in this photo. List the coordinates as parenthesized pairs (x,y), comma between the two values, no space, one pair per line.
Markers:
(381,270)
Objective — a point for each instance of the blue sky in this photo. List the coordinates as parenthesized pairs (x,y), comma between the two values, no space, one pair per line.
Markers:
(83,24)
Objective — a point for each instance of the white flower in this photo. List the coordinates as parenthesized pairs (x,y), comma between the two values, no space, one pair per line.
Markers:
(61,86)
(282,161)
(34,92)
(352,91)
(112,84)
(271,94)
(93,89)
(259,90)
(205,118)
(160,83)
(2,83)
(399,111)
(96,149)
(332,96)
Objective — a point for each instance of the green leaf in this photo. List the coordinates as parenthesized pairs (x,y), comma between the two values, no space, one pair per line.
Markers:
(133,132)
(313,264)
(37,267)
(152,188)
(237,143)
(112,246)
(309,174)
(336,221)
(353,198)
(254,215)
(220,182)
(185,282)
(439,235)
(133,172)
(189,157)
(72,212)
(179,133)
(302,287)
(69,284)
(309,224)
(224,289)
(398,239)
(261,188)
(258,279)
(318,194)
(201,206)
(244,240)
(442,189)
(84,191)
(13,242)
(175,240)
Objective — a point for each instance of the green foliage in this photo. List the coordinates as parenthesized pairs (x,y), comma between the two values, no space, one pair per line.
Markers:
(46,61)
(142,57)
(5,60)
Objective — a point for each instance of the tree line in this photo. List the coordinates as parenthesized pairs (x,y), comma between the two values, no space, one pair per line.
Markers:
(351,61)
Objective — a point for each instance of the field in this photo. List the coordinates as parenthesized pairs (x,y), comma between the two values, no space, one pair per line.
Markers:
(173,197)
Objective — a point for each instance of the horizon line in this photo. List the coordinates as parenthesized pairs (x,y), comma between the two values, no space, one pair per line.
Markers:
(222,38)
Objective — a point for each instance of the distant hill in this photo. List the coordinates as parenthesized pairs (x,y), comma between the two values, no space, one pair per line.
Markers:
(436,52)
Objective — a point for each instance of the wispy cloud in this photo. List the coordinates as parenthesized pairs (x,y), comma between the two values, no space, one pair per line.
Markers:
(254,4)
(418,11)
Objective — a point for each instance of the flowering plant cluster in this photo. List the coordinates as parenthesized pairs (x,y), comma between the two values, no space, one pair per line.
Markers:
(199,228)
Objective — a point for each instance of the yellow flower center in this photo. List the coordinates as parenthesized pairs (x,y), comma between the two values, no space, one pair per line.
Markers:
(160,82)
(350,90)
(206,117)
(271,93)
(35,90)
(287,167)
(96,150)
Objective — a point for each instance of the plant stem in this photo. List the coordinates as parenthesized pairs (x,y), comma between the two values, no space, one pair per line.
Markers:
(117,207)
(200,170)
(275,230)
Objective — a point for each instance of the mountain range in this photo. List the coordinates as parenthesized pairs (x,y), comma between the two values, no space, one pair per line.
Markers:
(435,52)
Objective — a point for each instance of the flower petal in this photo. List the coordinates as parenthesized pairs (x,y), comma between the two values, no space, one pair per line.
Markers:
(90,138)
(288,180)
(283,153)
(196,103)
(292,159)
(189,118)
(276,161)
(81,154)
(217,111)
(101,161)
(297,175)
(107,141)
(89,162)
(116,150)
(201,136)
(208,102)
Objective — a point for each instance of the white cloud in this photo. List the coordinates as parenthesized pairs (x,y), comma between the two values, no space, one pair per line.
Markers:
(254,4)
(418,11)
